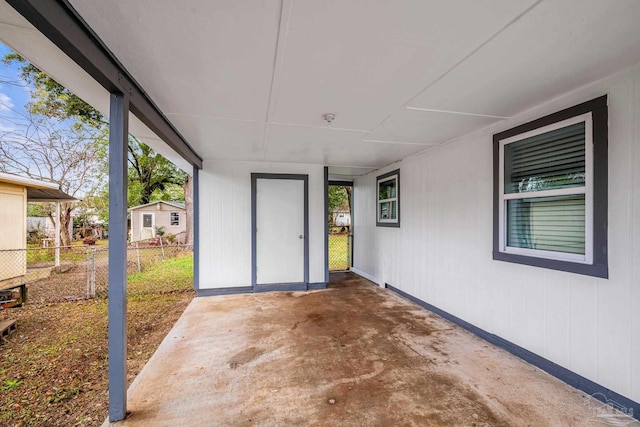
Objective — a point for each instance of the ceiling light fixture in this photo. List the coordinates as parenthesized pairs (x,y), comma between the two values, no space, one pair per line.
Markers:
(329,117)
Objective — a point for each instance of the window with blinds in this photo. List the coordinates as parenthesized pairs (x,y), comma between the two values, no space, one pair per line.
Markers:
(546,191)
(388,189)
(550,187)
(175,219)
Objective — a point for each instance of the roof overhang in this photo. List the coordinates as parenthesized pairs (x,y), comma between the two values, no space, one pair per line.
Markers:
(172,204)
(59,23)
(37,191)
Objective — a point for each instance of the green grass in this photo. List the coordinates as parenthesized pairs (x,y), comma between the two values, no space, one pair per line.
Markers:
(338,251)
(53,371)
(72,254)
(169,276)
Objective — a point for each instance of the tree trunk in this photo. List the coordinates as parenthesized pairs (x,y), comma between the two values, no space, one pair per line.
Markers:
(188,205)
(65,219)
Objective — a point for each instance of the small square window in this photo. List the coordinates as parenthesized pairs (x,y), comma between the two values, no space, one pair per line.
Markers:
(175,219)
(147,220)
(550,191)
(388,204)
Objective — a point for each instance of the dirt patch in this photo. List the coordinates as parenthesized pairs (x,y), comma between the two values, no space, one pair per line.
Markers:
(70,284)
(53,370)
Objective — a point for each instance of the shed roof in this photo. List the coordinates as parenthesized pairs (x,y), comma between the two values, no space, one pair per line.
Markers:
(174,204)
(37,191)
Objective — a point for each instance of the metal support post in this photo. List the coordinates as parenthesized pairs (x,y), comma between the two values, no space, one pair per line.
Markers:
(196,228)
(118,138)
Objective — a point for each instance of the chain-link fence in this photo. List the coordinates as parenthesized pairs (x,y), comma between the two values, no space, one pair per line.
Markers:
(340,244)
(140,255)
(79,272)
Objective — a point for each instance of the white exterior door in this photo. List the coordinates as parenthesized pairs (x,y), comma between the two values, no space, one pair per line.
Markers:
(280,229)
(147,221)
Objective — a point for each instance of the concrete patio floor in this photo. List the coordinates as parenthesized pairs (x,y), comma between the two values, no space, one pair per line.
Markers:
(351,355)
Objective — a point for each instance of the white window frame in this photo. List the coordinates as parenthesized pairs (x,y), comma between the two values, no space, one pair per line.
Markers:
(587,190)
(395,220)
(171,219)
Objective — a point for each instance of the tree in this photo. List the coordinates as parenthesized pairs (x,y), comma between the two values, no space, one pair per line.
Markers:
(149,173)
(339,197)
(51,99)
(151,170)
(65,155)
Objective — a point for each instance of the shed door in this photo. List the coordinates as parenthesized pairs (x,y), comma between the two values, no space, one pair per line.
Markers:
(280,231)
(147,221)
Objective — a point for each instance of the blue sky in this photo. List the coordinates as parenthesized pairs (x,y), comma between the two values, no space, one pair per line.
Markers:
(13,95)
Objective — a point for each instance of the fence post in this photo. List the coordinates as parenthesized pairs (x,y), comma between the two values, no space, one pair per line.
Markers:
(138,257)
(349,250)
(161,247)
(57,238)
(87,270)
(93,273)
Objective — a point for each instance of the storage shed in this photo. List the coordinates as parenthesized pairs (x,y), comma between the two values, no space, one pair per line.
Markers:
(15,191)
(148,218)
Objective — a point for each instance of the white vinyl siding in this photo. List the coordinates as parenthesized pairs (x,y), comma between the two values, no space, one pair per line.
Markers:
(442,252)
(225,220)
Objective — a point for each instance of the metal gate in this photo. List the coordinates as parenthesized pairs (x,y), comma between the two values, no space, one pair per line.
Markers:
(340,249)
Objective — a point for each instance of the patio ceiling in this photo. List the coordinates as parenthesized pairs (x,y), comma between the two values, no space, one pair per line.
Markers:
(250,80)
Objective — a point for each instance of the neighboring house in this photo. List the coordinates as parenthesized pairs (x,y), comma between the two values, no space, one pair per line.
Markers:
(341,218)
(15,191)
(146,219)
(90,224)
(44,225)
(493,146)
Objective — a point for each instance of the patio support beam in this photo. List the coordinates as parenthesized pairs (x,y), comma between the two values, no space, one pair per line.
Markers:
(326,225)
(60,23)
(118,138)
(196,228)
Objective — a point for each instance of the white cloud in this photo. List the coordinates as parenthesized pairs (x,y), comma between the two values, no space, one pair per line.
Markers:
(6,103)
(4,128)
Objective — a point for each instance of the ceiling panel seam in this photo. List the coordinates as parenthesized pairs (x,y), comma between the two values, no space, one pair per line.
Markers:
(319,127)
(281,45)
(461,113)
(464,59)
(380,141)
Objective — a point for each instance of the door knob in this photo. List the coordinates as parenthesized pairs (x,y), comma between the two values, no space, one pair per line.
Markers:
(301,237)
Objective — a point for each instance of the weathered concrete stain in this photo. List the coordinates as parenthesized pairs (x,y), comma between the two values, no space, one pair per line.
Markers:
(352,355)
